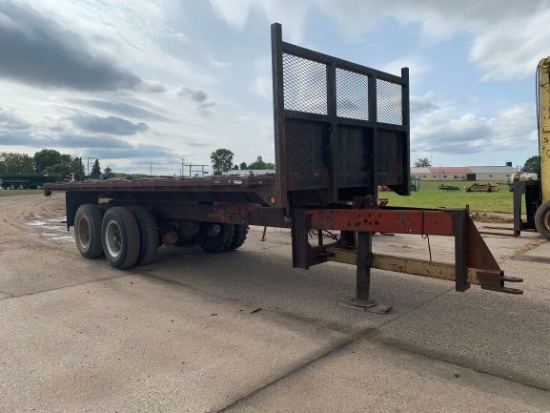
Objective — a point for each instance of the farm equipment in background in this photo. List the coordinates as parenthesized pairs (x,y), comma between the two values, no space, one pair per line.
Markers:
(482,188)
(448,188)
(537,192)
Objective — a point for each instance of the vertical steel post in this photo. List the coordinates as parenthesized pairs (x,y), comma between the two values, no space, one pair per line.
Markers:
(405,117)
(278,113)
(301,223)
(364,264)
(373,117)
(461,268)
(519,189)
(331,113)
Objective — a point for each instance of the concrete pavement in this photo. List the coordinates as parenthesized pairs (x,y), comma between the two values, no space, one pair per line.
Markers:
(243,331)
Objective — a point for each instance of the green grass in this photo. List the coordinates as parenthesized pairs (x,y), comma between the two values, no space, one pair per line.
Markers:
(430,196)
(8,192)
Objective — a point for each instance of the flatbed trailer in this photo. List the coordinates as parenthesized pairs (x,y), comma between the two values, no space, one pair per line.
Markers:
(341,131)
(26,180)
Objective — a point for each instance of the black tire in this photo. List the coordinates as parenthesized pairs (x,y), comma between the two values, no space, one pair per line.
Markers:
(240,232)
(542,220)
(148,234)
(120,237)
(216,237)
(87,231)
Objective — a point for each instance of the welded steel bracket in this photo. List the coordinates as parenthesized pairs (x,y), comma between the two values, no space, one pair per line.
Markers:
(473,264)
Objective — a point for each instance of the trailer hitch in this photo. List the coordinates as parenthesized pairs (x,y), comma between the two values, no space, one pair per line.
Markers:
(473,262)
(494,281)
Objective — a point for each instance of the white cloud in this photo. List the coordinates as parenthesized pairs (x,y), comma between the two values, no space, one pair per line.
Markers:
(508,36)
(262,85)
(234,12)
(512,48)
(442,132)
(290,13)
(133,32)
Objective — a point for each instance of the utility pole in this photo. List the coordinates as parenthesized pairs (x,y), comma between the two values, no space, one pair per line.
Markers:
(88,173)
(182,164)
(151,169)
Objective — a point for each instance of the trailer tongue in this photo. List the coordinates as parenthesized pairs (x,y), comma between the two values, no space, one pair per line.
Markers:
(341,131)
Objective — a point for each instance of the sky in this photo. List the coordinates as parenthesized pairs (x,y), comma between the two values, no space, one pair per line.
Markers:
(146,85)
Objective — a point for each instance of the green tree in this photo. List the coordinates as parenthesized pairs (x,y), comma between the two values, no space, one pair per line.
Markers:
(78,168)
(243,166)
(45,159)
(259,164)
(108,173)
(422,163)
(16,163)
(64,167)
(532,165)
(222,161)
(96,170)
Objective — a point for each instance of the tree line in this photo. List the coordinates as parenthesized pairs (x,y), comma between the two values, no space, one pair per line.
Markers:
(222,161)
(49,161)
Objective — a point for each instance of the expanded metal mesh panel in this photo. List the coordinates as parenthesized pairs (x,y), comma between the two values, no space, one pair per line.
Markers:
(352,95)
(305,85)
(389,102)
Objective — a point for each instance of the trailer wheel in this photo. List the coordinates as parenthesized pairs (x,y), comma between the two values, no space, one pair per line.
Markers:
(216,237)
(87,231)
(120,237)
(148,234)
(542,220)
(239,236)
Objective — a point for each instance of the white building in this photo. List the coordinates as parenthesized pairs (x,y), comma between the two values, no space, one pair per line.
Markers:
(466,173)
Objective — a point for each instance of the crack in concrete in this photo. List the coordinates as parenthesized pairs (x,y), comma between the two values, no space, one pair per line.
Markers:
(371,335)
(15,296)
(9,295)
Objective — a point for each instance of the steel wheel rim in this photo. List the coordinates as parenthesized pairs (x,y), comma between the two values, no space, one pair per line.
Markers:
(84,233)
(113,239)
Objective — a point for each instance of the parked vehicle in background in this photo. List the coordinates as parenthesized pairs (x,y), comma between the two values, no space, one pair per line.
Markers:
(26,181)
